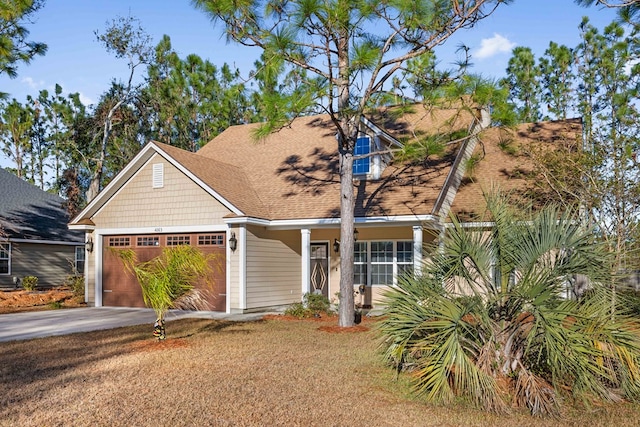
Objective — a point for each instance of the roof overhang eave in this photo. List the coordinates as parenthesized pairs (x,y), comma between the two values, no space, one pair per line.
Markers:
(296,224)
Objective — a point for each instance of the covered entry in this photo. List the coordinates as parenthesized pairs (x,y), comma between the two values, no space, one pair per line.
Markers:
(121,289)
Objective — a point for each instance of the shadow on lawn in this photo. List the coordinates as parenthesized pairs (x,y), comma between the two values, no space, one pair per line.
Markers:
(48,364)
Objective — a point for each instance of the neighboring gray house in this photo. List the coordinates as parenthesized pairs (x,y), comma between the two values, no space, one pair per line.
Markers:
(35,239)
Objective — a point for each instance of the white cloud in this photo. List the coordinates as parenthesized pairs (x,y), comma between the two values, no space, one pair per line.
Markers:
(85,99)
(32,83)
(493,46)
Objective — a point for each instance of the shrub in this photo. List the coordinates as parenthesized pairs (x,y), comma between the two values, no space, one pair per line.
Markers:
(76,284)
(297,310)
(311,305)
(29,283)
(55,305)
(317,303)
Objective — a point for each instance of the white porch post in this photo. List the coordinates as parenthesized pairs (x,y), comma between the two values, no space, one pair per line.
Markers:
(417,249)
(306,258)
(97,269)
(242,266)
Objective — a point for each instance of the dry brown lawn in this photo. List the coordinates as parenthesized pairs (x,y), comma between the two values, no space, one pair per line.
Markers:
(219,373)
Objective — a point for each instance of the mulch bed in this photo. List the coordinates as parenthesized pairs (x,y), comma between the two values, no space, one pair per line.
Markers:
(13,301)
(329,323)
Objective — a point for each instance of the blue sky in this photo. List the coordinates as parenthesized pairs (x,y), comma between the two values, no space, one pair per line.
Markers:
(79,63)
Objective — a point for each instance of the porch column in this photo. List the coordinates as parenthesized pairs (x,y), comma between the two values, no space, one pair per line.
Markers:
(305,260)
(417,249)
(97,270)
(242,267)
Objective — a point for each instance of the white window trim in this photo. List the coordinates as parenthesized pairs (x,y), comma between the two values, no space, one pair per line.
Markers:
(8,273)
(79,250)
(369,262)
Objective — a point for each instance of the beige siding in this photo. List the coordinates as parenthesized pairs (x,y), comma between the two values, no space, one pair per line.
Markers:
(273,268)
(51,264)
(180,202)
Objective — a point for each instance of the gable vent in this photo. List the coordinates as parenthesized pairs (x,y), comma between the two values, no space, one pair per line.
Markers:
(158,175)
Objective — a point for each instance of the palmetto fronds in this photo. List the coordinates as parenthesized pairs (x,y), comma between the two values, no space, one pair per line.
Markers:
(168,280)
(492,318)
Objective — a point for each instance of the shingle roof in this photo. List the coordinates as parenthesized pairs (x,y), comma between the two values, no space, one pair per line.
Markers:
(294,172)
(26,212)
(227,180)
(509,171)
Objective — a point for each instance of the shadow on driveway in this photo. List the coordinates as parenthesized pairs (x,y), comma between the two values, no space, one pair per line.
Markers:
(39,324)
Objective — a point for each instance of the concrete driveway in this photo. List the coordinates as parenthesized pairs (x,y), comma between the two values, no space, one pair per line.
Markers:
(38,324)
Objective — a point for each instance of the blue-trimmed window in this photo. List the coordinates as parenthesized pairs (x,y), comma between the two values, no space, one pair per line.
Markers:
(363,147)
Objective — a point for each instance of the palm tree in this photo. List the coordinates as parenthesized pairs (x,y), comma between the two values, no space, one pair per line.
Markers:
(168,280)
(497,317)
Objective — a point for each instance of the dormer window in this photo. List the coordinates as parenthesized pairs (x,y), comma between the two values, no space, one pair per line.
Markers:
(362,166)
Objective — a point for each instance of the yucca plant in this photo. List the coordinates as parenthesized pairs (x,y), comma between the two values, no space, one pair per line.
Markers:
(168,280)
(496,318)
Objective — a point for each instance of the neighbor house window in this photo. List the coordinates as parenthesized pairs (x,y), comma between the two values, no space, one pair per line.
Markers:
(379,263)
(362,166)
(79,259)
(211,240)
(178,240)
(5,258)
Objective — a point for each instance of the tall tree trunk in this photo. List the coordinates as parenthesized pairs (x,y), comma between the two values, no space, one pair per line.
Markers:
(347,241)
(346,143)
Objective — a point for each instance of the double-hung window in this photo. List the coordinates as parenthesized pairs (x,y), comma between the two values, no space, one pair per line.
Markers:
(360,257)
(378,263)
(79,260)
(381,263)
(5,258)
(362,166)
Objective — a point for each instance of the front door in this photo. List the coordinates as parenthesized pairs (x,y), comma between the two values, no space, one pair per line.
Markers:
(320,268)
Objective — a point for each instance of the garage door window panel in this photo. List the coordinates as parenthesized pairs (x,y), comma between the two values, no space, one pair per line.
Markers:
(145,241)
(119,242)
(211,240)
(178,240)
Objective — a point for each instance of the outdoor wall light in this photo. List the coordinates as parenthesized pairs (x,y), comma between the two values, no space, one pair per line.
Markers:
(233,242)
(336,242)
(89,245)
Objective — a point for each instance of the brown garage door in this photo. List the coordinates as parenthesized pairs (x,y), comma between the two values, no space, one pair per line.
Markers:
(121,289)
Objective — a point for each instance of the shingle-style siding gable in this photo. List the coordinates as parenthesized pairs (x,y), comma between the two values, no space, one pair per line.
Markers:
(180,201)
